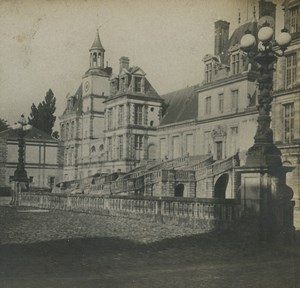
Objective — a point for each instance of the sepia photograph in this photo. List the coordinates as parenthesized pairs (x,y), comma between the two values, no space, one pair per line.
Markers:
(149,143)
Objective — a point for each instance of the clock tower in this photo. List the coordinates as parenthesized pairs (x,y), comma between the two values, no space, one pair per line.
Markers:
(95,89)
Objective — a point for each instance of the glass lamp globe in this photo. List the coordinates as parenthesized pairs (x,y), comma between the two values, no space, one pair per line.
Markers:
(27,127)
(22,120)
(18,126)
(248,41)
(265,34)
(284,39)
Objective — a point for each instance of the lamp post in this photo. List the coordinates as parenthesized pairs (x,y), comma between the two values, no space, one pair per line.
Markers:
(20,175)
(268,189)
(264,152)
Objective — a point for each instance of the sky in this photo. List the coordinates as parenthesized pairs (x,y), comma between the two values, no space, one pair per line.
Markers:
(45,43)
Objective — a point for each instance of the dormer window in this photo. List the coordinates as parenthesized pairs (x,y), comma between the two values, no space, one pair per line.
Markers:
(208,72)
(138,84)
(235,63)
(123,83)
(114,85)
(294,16)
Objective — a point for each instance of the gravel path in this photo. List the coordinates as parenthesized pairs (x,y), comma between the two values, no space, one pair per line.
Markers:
(29,225)
(75,250)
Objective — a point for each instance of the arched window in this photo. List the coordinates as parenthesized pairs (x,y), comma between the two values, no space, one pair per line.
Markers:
(93,149)
(179,190)
(94,59)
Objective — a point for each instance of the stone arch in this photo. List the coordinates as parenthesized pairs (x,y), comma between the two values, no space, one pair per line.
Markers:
(221,186)
(179,189)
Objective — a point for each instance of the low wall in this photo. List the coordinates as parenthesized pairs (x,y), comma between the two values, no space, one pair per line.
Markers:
(207,214)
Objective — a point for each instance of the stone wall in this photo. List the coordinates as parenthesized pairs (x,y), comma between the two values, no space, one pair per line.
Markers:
(208,214)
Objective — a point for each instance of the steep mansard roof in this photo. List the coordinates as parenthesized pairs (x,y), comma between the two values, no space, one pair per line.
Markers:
(150,92)
(235,39)
(181,105)
(77,102)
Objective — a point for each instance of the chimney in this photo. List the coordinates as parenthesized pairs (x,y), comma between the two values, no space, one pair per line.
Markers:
(124,63)
(267,9)
(221,36)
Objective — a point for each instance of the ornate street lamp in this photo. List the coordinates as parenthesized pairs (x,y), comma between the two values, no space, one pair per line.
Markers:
(264,191)
(264,152)
(20,175)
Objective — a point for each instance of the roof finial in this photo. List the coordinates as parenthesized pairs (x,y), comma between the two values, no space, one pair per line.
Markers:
(239,19)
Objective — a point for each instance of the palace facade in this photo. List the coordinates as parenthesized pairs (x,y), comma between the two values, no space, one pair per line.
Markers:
(117,123)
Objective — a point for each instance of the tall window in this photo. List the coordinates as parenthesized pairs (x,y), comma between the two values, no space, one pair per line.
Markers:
(138,114)
(189,144)
(219,147)
(121,116)
(234,139)
(208,105)
(176,147)
(235,99)
(221,103)
(68,132)
(291,70)
(138,84)
(207,148)
(235,63)
(109,119)
(123,84)
(120,147)
(163,148)
(208,72)
(294,14)
(138,145)
(72,129)
(288,118)
(109,149)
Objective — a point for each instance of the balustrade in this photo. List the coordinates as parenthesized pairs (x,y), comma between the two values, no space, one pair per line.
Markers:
(210,209)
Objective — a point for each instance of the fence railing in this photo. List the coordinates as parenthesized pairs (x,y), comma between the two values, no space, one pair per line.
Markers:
(213,209)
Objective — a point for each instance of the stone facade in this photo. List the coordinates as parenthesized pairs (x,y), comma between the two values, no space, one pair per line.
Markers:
(141,139)
(286,100)
(82,123)
(132,113)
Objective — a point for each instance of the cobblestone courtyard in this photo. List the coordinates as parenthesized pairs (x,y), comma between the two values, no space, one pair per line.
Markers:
(64,249)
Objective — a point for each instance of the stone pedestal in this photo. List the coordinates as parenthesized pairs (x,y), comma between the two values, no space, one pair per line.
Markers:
(18,187)
(266,198)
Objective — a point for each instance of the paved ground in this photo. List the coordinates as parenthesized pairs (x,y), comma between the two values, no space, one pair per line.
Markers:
(64,249)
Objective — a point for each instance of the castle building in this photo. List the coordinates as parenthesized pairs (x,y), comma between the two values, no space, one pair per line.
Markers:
(217,116)
(286,99)
(82,122)
(109,124)
(205,124)
(132,114)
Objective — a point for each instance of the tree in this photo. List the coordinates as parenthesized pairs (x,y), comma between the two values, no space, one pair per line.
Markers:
(42,117)
(3,124)
(55,134)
